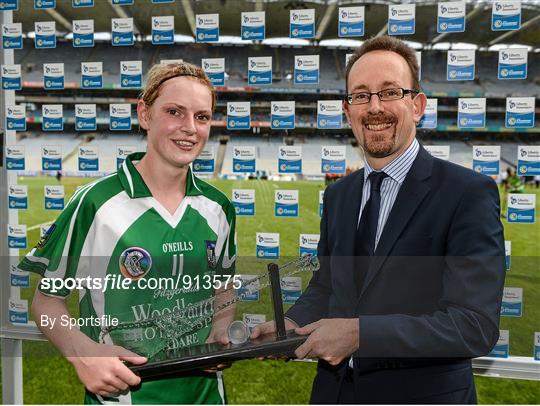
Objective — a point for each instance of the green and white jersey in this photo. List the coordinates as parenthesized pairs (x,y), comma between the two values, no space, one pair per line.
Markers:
(113,231)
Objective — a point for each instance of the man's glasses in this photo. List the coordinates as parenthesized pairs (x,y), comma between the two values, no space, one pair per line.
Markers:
(383,95)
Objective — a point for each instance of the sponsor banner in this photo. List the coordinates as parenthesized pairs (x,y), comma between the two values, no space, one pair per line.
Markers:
(54,197)
(253,25)
(291,289)
(267,245)
(131,74)
(52,117)
(85,117)
(53,76)
(429,119)
(162,30)
(244,159)
(205,162)
(506,15)
(253,320)
(502,348)
(243,201)
(18,311)
(308,244)
(512,64)
(18,278)
(45,34)
(82,3)
(12,36)
(282,115)
(15,158)
(11,77)
(162,1)
(238,115)
(306,69)
(289,159)
(207,27)
(83,33)
(120,117)
(122,151)
(16,117)
(508,254)
(17,237)
(528,160)
(439,151)
(521,208)
(89,158)
(486,159)
(329,114)
(401,19)
(286,203)
(519,112)
(321,200)
(215,69)
(512,302)
(123,2)
(472,112)
(18,197)
(260,70)
(250,286)
(333,159)
(460,65)
(122,32)
(302,23)
(351,21)
(6,5)
(51,158)
(451,17)
(91,75)
(44,4)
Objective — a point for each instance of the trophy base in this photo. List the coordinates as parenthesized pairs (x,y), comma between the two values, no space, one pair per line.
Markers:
(185,361)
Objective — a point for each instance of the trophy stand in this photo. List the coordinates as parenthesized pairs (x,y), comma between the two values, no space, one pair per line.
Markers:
(194,359)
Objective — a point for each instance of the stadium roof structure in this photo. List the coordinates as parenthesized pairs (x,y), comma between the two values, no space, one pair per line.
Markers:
(478,18)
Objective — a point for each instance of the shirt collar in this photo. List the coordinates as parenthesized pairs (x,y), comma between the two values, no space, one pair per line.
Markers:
(400,166)
(134,185)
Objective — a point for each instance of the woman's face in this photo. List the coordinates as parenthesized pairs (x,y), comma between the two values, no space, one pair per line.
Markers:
(178,123)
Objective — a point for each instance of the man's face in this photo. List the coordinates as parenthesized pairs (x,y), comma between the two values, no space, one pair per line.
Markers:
(178,123)
(383,128)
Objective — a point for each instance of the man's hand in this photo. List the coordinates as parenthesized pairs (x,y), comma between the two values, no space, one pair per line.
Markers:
(270,327)
(106,374)
(220,336)
(332,340)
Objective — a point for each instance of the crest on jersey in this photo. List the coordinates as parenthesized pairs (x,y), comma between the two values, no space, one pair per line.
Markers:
(211,254)
(135,262)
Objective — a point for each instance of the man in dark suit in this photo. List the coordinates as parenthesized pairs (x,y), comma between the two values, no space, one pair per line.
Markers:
(411,251)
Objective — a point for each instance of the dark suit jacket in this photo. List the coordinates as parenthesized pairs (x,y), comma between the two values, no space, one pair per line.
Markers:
(432,296)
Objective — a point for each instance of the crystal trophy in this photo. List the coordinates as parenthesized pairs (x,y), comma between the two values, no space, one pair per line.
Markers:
(167,360)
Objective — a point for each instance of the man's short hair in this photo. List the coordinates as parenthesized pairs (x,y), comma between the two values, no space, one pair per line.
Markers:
(386,43)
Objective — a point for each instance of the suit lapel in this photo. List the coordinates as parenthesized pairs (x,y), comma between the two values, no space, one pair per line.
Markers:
(411,194)
(350,209)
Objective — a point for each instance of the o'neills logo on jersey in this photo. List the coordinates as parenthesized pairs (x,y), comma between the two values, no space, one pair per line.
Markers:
(177,246)
(135,262)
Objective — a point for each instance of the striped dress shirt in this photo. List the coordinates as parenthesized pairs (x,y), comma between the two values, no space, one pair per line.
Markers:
(397,171)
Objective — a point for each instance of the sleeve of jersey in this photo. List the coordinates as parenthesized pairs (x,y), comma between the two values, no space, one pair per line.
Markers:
(57,255)
(227,256)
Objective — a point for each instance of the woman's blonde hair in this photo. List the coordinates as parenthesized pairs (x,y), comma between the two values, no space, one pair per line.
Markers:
(160,73)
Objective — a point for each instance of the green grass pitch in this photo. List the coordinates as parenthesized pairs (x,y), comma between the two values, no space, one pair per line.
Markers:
(48,378)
